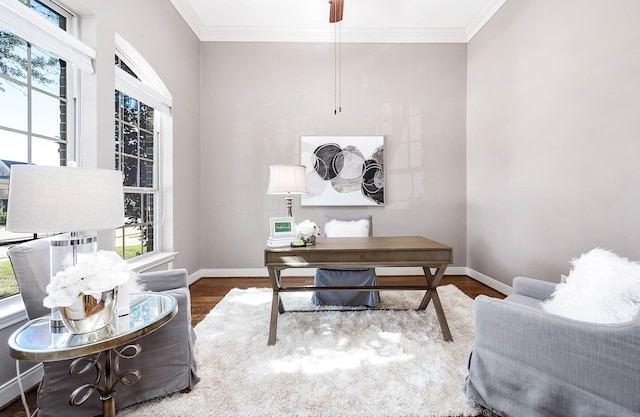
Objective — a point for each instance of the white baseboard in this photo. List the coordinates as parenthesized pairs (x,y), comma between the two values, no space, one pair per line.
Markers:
(489,282)
(308,272)
(11,390)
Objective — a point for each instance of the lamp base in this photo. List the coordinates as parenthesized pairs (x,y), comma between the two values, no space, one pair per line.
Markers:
(289,200)
(64,251)
(55,321)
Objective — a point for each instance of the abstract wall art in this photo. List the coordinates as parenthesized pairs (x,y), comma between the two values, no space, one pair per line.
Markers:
(343,170)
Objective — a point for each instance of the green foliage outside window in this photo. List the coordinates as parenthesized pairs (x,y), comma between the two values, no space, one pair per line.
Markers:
(29,133)
(8,284)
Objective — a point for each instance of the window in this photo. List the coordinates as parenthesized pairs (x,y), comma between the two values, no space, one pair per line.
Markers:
(135,156)
(143,136)
(34,117)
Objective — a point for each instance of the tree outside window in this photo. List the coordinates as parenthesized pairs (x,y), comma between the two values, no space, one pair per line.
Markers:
(33,119)
(135,148)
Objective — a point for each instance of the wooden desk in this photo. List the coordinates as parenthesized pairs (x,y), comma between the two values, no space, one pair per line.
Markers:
(358,252)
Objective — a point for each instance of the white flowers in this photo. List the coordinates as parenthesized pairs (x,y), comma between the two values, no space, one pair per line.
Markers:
(92,275)
(307,228)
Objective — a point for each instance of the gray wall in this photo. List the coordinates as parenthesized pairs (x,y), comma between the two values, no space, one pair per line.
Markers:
(553,136)
(257,99)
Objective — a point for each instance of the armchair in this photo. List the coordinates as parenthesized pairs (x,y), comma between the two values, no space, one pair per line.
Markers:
(345,226)
(527,362)
(166,362)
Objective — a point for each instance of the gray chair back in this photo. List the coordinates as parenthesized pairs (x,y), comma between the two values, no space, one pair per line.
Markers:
(31,262)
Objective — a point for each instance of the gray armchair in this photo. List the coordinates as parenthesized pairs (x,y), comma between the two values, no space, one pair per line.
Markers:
(526,362)
(166,362)
(346,277)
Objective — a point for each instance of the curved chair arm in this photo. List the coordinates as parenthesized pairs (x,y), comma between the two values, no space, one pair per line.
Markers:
(163,280)
(534,288)
(515,342)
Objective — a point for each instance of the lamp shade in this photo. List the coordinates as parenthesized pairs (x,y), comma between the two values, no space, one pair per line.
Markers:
(287,179)
(45,199)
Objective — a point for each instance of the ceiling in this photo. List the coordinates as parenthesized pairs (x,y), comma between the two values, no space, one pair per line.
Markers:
(388,21)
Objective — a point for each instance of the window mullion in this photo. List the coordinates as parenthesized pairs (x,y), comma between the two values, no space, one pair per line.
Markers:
(29,105)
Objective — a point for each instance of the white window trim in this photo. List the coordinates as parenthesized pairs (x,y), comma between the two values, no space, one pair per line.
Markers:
(129,85)
(142,69)
(12,311)
(146,262)
(36,29)
(152,92)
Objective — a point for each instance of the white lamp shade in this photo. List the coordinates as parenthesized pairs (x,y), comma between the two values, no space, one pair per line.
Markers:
(287,179)
(44,199)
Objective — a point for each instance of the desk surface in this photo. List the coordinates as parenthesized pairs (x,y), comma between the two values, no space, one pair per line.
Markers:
(361,251)
(35,342)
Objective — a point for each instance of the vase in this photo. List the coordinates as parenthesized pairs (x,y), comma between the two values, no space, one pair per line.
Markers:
(88,314)
(311,240)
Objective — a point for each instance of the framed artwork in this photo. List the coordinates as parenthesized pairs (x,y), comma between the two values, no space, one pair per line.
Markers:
(282,227)
(343,170)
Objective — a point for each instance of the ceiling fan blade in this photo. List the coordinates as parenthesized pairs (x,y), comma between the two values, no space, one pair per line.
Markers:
(335,10)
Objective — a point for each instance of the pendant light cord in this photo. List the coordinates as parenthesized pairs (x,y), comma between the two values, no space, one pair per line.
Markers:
(337,61)
(335,64)
(340,68)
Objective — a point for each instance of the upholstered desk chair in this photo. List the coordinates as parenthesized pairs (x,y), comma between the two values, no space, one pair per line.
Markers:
(166,362)
(346,226)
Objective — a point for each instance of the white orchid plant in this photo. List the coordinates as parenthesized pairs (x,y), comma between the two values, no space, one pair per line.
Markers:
(307,228)
(91,275)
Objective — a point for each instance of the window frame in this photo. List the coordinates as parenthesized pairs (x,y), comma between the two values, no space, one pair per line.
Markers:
(21,20)
(150,90)
(153,190)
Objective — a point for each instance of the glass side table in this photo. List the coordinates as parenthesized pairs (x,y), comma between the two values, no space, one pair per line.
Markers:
(36,342)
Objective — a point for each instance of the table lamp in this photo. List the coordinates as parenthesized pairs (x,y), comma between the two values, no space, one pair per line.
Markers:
(287,179)
(74,201)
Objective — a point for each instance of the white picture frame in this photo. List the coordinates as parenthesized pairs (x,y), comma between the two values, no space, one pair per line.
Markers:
(282,227)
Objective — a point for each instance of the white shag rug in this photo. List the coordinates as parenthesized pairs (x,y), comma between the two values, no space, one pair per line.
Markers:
(327,364)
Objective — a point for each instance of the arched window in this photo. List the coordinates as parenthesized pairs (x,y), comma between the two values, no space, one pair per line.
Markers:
(142,137)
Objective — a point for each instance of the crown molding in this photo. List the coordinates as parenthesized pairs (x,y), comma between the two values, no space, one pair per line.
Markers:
(483,17)
(189,16)
(375,35)
(269,34)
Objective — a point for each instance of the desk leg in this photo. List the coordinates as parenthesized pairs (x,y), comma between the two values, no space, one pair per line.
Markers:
(276,305)
(432,283)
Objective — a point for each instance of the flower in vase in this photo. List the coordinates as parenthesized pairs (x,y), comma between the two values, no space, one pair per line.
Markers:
(307,228)
(91,275)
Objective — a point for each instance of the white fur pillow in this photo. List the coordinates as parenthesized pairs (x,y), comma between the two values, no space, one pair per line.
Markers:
(342,228)
(602,287)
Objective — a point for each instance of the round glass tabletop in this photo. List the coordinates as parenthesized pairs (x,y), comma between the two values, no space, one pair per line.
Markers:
(35,341)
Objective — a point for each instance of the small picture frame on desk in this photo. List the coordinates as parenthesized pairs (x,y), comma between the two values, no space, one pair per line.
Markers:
(282,227)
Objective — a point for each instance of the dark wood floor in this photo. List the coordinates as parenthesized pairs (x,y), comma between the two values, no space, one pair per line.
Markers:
(207,292)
